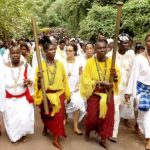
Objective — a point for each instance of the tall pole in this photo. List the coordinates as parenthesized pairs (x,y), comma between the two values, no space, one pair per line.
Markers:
(40,66)
(118,20)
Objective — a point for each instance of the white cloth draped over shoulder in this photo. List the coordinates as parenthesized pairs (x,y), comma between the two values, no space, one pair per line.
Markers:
(77,102)
(19,113)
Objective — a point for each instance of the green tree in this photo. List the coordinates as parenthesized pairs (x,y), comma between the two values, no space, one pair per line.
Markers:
(14,16)
(136,18)
(99,20)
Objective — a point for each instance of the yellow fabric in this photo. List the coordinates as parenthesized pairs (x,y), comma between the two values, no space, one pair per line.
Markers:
(102,104)
(89,79)
(90,76)
(60,83)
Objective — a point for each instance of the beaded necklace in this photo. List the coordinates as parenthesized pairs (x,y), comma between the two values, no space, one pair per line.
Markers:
(99,71)
(52,73)
(15,79)
(70,70)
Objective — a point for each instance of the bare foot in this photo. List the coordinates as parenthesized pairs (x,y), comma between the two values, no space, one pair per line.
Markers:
(137,131)
(127,123)
(44,133)
(24,139)
(104,144)
(113,139)
(147,147)
(56,144)
(87,136)
(78,132)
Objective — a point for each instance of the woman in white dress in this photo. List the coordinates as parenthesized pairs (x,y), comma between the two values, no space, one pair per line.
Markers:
(139,87)
(76,108)
(18,112)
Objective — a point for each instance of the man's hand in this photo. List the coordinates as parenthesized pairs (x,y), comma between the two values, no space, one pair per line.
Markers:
(114,74)
(27,82)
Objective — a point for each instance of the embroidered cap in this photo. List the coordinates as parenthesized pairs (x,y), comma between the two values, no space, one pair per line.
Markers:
(123,37)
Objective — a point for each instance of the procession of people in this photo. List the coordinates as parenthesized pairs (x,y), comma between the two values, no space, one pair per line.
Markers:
(76,77)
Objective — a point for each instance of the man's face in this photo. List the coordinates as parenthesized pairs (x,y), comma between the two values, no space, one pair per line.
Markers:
(124,45)
(15,55)
(62,46)
(51,51)
(101,49)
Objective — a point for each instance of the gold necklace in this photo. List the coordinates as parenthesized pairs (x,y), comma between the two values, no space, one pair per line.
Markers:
(52,73)
(15,79)
(102,76)
(70,70)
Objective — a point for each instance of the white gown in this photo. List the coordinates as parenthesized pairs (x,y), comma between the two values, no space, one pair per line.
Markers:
(124,63)
(123,109)
(18,113)
(140,72)
(77,102)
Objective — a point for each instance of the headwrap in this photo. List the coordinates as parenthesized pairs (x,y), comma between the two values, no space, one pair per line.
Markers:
(110,41)
(123,37)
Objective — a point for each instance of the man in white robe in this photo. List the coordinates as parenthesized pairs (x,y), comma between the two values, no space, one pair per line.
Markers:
(139,88)
(18,112)
(124,60)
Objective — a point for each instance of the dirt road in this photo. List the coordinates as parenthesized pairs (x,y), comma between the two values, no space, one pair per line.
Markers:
(128,140)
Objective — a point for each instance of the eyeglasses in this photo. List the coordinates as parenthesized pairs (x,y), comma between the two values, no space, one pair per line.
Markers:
(69,50)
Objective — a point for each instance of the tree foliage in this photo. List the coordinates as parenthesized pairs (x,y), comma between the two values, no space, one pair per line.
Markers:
(80,17)
(136,17)
(14,17)
(99,20)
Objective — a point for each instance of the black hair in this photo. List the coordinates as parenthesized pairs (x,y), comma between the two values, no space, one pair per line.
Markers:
(102,40)
(44,40)
(46,45)
(89,43)
(138,46)
(26,46)
(62,41)
(75,48)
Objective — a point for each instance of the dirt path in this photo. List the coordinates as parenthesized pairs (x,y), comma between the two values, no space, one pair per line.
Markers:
(128,140)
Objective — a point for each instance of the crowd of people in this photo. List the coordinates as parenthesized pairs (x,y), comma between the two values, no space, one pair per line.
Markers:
(76,76)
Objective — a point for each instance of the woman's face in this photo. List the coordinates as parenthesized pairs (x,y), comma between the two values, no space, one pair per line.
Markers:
(147,42)
(23,50)
(101,49)
(141,51)
(70,52)
(51,51)
(89,50)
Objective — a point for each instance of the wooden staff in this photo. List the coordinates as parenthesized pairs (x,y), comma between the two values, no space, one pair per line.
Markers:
(40,66)
(118,19)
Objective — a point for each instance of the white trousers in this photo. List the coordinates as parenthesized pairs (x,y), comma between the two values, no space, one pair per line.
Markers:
(143,121)
(125,111)
(116,120)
